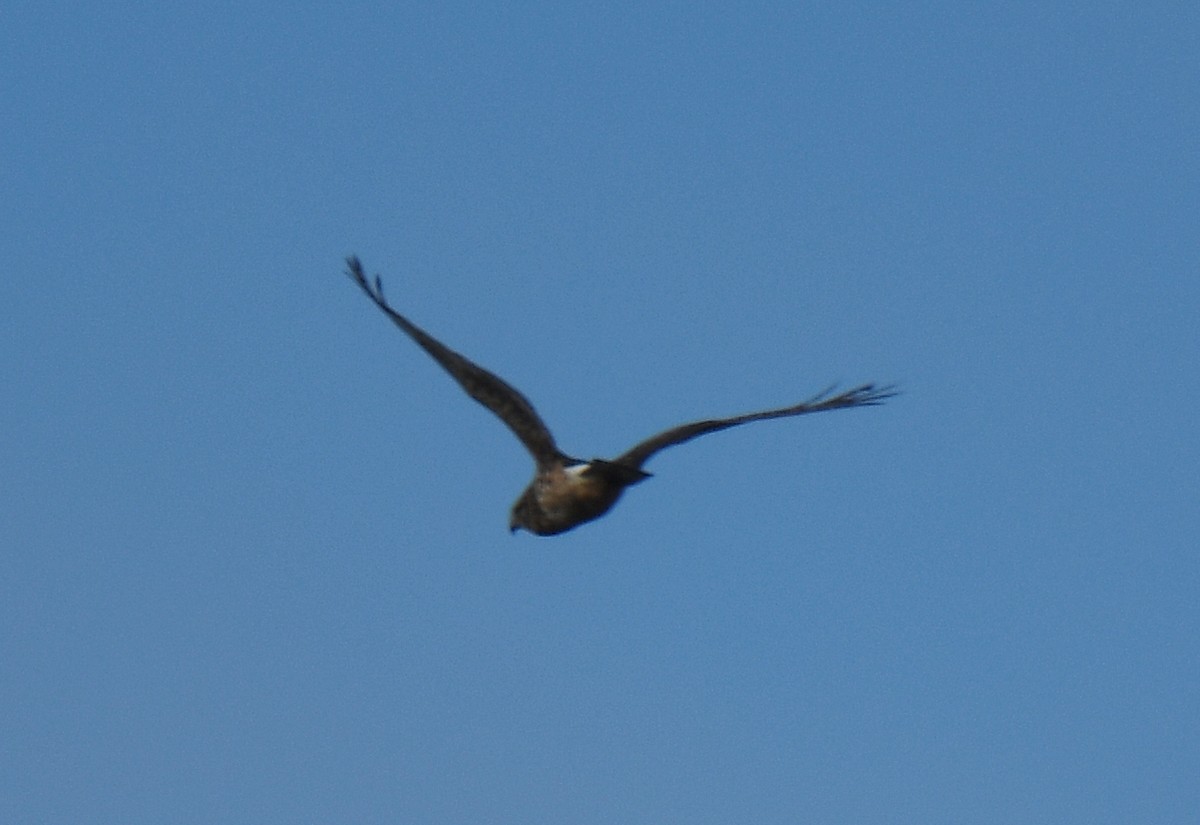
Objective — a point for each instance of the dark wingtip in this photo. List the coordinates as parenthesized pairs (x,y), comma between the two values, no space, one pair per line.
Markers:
(374,289)
(877,395)
(864,395)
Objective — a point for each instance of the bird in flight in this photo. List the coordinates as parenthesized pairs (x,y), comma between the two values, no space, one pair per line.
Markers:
(565,491)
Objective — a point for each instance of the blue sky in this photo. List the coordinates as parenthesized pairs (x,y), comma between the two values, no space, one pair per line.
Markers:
(255,566)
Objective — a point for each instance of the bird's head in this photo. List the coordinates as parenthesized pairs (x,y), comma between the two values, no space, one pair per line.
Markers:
(523,512)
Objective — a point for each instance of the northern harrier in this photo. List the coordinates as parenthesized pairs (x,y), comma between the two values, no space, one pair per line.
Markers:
(566,492)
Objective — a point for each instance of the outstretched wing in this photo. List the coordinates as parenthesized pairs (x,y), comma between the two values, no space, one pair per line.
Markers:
(867,395)
(489,390)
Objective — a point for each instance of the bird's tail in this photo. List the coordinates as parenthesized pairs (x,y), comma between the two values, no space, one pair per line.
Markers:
(623,474)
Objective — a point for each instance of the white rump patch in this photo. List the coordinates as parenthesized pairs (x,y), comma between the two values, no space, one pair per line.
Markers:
(576,470)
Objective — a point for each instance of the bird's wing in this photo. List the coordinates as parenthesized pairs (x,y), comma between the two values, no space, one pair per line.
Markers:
(489,390)
(865,396)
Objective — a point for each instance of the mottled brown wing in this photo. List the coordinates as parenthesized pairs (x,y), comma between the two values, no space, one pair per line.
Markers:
(489,390)
(867,395)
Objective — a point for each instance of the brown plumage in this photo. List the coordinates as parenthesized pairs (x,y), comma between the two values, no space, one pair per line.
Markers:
(565,491)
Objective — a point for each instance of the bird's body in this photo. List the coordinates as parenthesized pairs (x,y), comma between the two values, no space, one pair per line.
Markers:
(562,496)
(565,491)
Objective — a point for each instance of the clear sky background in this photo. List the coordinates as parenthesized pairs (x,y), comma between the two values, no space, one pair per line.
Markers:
(254,565)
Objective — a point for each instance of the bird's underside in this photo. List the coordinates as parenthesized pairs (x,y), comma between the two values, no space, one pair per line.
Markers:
(565,491)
